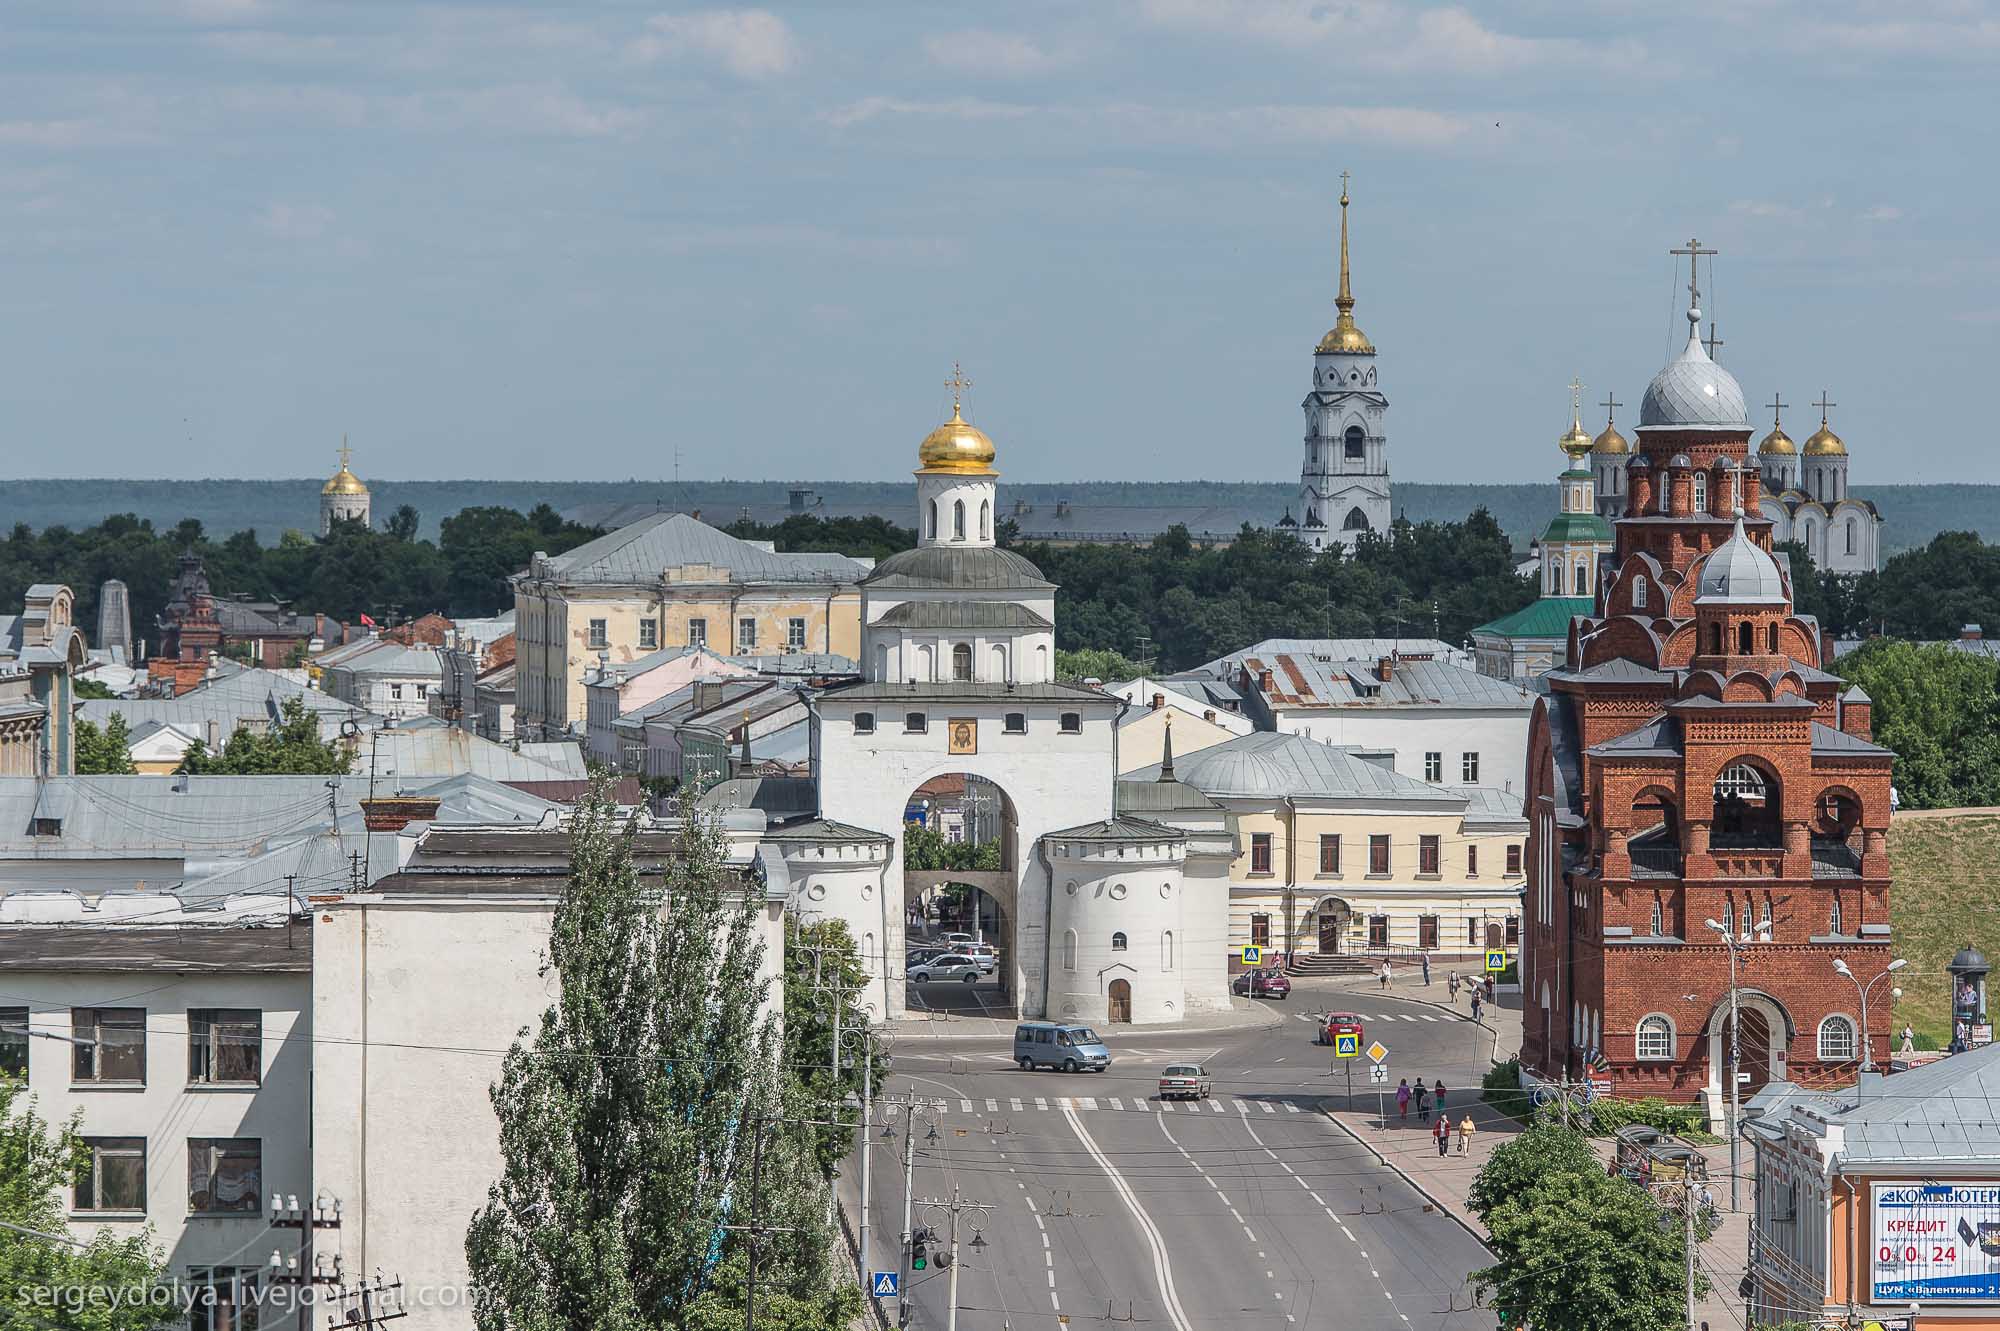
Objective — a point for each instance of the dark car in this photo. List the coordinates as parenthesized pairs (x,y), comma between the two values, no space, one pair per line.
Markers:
(1272,983)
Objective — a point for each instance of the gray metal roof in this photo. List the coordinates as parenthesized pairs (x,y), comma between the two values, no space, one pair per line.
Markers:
(1739,572)
(642,551)
(962,691)
(1311,681)
(1491,806)
(1825,739)
(1156,796)
(1692,392)
(1120,829)
(190,949)
(1266,765)
(393,660)
(1566,755)
(1334,649)
(961,615)
(402,755)
(1620,669)
(782,796)
(1944,1113)
(248,696)
(825,829)
(1657,738)
(983,567)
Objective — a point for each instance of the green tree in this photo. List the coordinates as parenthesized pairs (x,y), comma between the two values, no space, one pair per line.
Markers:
(1524,1160)
(293,747)
(106,751)
(820,955)
(1939,709)
(926,848)
(1583,1251)
(641,1116)
(91,688)
(1094,663)
(403,523)
(52,1282)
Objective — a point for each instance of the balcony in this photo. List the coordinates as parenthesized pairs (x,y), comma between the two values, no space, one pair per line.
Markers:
(1655,859)
(1835,859)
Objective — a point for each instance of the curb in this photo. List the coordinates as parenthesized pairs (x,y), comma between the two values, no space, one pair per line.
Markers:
(1275,1021)
(1438,1204)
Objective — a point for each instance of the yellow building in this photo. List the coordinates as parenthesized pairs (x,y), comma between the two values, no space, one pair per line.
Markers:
(669,580)
(1337,854)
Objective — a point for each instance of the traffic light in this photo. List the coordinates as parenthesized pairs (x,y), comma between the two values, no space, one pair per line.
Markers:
(918,1259)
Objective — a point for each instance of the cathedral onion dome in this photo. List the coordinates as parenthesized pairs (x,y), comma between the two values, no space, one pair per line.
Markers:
(1610,441)
(344,482)
(1777,442)
(1692,392)
(1344,336)
(1576,442)
(1824,443)
(957,446)
(1740,572)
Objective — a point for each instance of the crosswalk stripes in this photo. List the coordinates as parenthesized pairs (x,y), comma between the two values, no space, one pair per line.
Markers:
(1117,1104)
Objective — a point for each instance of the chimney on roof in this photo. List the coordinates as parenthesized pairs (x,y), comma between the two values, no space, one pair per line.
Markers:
(394,813)
(1159,701)
(214,735)
(1062,508)
(1266,681)
(1385,669)
(1971,633)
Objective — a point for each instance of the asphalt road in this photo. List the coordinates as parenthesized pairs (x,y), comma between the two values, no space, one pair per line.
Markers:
(1251,1210)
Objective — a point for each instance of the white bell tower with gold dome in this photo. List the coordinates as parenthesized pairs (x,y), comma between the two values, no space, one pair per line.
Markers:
(1344,484)
(343,498)
(955,483)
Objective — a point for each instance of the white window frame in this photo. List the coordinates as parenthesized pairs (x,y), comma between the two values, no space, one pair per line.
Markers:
(1853,1042)
(1468,768)
(1644,1049)
(1639,591)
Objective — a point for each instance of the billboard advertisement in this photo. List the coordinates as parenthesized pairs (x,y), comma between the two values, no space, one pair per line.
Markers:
(1936,1243)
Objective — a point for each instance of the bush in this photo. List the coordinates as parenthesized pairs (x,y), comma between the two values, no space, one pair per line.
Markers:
(1501,1088)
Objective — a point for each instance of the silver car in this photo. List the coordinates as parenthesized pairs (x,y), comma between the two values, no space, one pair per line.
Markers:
(950,966)
(1187,1081)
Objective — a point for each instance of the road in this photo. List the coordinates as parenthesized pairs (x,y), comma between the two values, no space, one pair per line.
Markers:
(1250,1210)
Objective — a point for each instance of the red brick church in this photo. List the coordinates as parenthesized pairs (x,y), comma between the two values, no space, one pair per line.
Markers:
(1692,762)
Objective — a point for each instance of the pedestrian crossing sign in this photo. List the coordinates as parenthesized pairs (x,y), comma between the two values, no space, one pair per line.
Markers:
(1496,958)
(1346,1045)
(1253,956)
(882,1284)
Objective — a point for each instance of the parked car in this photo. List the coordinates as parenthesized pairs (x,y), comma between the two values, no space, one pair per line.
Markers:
(1044,1044)
(1186,1081)
(1272,983)
(983,953)
(956,938)
(946,966)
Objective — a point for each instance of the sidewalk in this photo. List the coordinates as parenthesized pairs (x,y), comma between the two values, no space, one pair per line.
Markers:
(1406,1146)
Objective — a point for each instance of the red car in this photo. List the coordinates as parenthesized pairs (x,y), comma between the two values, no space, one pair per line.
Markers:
(1272,983)
(1341,1023)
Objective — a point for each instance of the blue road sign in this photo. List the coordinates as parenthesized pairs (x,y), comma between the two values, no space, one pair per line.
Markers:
(883,1284)
(1496,959)
(1346,1044)
(1253,956)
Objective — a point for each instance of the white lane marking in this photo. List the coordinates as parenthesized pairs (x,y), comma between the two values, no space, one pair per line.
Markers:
(1268,1151)
(1216,1105)
(1287,1168)
(1291,1108)
(1016,1105)
(1089,1102)
(1315,1196)
(1267,1106)
(1116,1103)
(1163,1271)
(1252,1234)
(1041,1103)
(1166,1106)
(993,1106)
(1045,1239)
(965,1106)
(1031,1202)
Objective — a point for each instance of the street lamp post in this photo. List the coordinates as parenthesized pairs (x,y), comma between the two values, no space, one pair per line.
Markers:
(1732,942)
(867,1038)
(912,1108)
(1867,1044)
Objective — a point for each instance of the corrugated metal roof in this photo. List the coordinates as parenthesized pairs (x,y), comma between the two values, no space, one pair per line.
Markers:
(449,751)
(1310,681)
(1336,649)
(957,690)
(1120,829)
(642,551)
(1944,1113)
(981,566)
(203,949)
(960,615)
(1266,765)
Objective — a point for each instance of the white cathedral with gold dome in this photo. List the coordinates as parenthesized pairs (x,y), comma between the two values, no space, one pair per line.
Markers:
(343,498)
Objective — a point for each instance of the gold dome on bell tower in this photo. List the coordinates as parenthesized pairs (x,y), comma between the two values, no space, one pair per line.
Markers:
(1344,336)
(1576,440)
(957,446)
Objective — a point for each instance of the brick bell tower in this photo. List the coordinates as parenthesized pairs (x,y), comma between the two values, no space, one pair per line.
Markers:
(1694,772)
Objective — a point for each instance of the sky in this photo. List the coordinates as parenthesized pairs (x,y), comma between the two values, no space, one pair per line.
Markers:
(607,240)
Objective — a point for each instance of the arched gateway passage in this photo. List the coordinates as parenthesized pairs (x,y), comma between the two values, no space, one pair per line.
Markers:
(960,876)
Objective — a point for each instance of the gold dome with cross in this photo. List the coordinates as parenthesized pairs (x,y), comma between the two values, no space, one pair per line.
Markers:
(957,446)
(344,482)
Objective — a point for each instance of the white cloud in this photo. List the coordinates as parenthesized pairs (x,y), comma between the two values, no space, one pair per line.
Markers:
(1133,123)
(749,43)
(295,221)
(981,52)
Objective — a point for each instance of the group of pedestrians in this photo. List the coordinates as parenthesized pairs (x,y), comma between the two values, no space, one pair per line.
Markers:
(1443,1131)
(1483,990)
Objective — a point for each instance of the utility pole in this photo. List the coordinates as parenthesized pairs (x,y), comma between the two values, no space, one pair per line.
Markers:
(976,1214)
(750,1237)
(369,1304)
(306,1268)
(912,1108)
(867,1136)
(1736,944)
(1691,1204)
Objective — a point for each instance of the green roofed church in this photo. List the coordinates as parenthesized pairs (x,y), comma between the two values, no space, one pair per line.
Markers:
(1524,644)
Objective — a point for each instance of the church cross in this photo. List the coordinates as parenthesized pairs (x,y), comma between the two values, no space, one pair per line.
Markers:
(1694,251)
(1610,405)
(1824,406)
(344,451)
(1343,187)
(1778,406)
(1575,396)
(958,383)
(1712,341)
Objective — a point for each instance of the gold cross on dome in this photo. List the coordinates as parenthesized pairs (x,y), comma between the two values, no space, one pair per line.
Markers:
(1343,187)
(958,383)
(344,451)
(1778,406)
(1575,396)
(1824,406)
(1610,404)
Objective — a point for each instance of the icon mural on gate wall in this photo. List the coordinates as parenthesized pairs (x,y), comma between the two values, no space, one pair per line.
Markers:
(964,736)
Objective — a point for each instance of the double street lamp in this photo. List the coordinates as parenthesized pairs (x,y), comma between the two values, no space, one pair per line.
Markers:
(1734,943)
(1867,1044)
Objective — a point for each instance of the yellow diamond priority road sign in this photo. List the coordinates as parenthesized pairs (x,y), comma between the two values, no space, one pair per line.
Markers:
(1378,1051)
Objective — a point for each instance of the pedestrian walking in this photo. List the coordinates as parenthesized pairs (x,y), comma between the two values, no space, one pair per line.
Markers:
(1465,1130)
(1492,989)
(1442,1133)
(1909,1040)
(1423,1094)
(1438,1091)
(1427,970)
(1403,1099)
(1451,983)
(1475,1005)
(1385,973)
